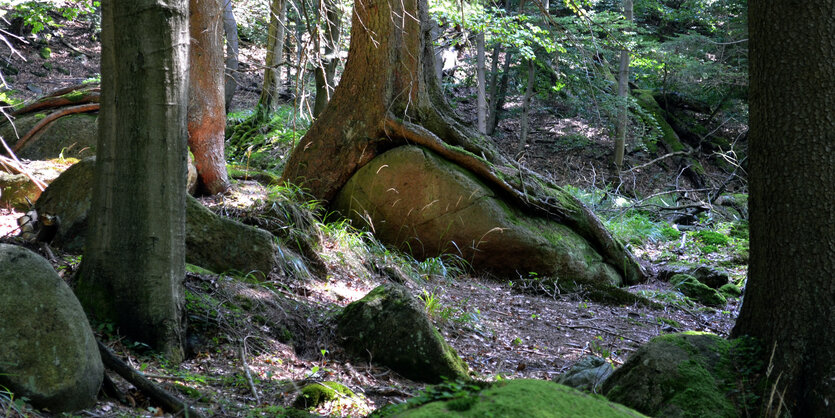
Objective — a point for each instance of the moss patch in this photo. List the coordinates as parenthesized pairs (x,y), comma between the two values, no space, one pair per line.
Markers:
(692,288)
(316,394)
(523,398)
(678,375)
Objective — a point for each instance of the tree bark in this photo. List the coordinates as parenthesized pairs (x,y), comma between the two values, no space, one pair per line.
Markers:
(230,28)
(526,106)
(480,76)
(206,101)
(134,261)
(623,93)
(325,71)
(269,100)
(790,296)
(391,67)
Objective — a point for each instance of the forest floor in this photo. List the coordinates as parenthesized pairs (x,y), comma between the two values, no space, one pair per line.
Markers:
(500,327)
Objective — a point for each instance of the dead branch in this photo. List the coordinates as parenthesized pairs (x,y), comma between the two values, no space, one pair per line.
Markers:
(58,100)
(242,352)
(672,154)
(90,107)
(168,401)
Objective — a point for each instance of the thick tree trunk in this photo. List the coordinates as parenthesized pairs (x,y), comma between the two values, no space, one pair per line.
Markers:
(326,70)
(134,261)
(230,28)
(623,92)
(269,100)
(391,68)
(206,102)
(482,99)
(790,297)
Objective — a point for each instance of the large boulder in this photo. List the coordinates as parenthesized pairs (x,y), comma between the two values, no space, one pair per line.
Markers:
(212,242)
(70,136)
(518,398)
(224,245)
(677,375)
(412,198)
(390,326)
(48,352)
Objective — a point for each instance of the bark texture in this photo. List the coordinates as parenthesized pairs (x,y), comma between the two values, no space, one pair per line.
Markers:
(623,92)
(230,28)
(388,96)
(275,52)
(134,262)
(206,101)
(790,298)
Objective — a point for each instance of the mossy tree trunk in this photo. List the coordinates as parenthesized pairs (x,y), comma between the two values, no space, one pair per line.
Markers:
(790,298)
(134,260)
(206,100)
(388,96)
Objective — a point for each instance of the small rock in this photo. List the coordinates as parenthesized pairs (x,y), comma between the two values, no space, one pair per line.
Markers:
(710,276)
(316,394)
(587,374)
(692,288)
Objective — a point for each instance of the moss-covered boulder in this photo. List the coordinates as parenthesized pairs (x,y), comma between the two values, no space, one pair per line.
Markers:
(522,398)
(68,197)
(710,276)
(677,375)
(212,242)
(698,291)
(70,136)
(390,327)
(414,199)
(316,394)
(48,352)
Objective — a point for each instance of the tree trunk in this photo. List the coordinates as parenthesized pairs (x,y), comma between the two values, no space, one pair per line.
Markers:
(230,28)
(206,102)
(134,261)
(790,297)
(268,102)
(526,106)
(482,99)
(497,100)
(326,70)
(623,93)
(391,68)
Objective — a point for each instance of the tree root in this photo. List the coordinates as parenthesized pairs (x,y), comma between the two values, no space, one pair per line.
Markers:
(89,107)
(58,98)
(168,401)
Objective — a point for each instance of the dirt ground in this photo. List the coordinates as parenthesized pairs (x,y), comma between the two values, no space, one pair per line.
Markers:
(497,326)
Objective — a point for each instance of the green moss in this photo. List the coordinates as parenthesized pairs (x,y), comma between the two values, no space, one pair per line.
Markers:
(730,290)
(668,135)
(316,394)
(45,52)
(523,398)
(75,95)
(692,288)
(712,237)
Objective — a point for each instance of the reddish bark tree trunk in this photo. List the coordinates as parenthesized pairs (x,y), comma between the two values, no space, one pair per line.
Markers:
(206,101)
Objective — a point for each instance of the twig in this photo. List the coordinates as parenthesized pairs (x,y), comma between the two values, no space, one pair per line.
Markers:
(242,352)
(672,154)
(603,330)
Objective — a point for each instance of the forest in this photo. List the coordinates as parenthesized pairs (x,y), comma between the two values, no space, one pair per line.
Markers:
(522,208)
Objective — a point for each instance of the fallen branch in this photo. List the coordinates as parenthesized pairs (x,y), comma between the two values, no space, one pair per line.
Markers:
(53,101)
(166,400)
(672,154)
(51,118)
(14,166)
(242,352)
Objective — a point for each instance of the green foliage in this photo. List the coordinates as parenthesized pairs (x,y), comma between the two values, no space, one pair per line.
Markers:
(38,16)
(712,237)
(263,141)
